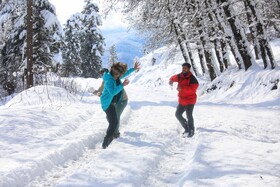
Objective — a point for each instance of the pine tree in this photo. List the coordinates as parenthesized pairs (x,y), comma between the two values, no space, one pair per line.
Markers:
(13,38)
(112,56)
(46,38)
(91,41)
(72,62)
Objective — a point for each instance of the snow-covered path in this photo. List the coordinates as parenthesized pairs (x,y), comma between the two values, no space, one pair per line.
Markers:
(233,145)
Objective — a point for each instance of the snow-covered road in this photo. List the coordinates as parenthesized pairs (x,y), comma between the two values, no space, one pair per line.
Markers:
(57,142)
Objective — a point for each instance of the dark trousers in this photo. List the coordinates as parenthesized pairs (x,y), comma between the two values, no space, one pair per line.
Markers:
(187,125)
(119,109)
(112,118)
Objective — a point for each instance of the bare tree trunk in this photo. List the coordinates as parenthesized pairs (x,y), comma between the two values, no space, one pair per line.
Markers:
(226,40)
(278,2)
(224,53)
(201,57)
(252,32)
(213,32)
(218,55)
(188,48)
(239,36)
(207,51)
(264,45)
(276,27)
(29,46)
(180,42)
(235,52)
(191,56)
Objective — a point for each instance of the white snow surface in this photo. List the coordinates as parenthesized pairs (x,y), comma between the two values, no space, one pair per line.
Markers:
(52,137)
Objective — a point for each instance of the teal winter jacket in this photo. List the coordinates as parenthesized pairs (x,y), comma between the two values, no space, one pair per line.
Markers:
(111,88)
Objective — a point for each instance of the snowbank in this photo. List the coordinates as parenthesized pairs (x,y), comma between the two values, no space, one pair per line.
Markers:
(254,86)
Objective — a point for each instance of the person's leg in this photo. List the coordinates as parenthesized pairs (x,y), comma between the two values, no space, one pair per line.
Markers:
(189,111)
(119,109)
(179,115)
(111,116)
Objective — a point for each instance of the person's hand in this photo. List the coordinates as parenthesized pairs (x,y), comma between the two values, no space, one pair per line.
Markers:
(179,88)
(137,66)
(171,83)
(125,82)
(91,90)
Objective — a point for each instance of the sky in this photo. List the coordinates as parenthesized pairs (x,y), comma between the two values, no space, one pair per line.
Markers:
(65,8)
(115,30)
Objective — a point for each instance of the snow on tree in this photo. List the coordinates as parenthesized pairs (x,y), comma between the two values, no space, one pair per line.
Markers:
(212,28)
(161,23)
(12,32)
(112,55)
(91,41)
(46,38)
(270,11)
(261,35)
(72,62)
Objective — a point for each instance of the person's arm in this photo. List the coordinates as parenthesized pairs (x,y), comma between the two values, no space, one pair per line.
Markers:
(98,92)
(136,68)
(100,89)
(112,88)
(128,72)
(172,79)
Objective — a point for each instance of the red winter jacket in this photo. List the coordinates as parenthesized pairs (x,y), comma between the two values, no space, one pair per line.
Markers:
(187,86)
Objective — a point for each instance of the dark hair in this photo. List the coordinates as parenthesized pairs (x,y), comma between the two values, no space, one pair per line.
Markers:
(104,70)
(187,64)
(118,68)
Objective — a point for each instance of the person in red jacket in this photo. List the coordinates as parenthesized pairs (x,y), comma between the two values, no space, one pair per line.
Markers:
(187,86)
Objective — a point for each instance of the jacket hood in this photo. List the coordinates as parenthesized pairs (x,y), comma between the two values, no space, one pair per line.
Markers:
(107,76)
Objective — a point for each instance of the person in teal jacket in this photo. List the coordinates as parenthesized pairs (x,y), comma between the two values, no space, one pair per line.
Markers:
(108,102)
(122,99)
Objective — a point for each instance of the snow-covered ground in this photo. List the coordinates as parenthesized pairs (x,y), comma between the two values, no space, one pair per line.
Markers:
(49,137)
(52,137)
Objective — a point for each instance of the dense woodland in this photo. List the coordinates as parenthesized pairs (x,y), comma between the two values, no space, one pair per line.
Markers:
(33,42)
(212,28)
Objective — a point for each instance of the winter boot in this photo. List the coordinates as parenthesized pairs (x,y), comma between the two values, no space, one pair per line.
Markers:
(117,135)
(186,127)
(191,133)
(107,141)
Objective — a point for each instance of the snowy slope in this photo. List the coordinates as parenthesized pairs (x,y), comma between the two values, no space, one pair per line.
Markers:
(254,86)
(58,143)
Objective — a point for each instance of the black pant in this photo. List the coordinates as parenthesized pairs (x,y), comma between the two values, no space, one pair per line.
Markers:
(188,125)
(112,118)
